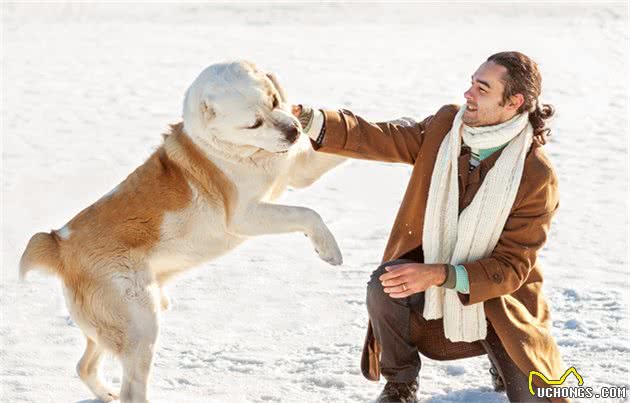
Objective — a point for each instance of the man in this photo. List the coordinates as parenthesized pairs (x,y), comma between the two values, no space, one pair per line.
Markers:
(460,276)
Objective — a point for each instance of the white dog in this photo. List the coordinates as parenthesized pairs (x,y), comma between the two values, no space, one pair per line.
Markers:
(208,188)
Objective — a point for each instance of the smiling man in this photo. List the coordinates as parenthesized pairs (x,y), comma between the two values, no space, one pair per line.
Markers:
(460,276)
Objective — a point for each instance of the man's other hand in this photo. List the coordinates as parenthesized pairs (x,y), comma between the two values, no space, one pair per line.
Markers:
(406,279)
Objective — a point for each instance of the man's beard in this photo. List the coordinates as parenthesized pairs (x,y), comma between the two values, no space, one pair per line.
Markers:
(471,122)
(479,121)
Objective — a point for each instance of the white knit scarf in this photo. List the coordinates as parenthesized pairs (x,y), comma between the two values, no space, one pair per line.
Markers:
(449,237)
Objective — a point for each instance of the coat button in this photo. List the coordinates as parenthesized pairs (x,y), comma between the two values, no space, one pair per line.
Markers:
(496,277)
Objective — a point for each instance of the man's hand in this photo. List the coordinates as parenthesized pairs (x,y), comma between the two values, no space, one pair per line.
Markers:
(403,280)
(296,110)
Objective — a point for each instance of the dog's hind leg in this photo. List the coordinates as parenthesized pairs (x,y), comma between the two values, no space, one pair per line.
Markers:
(88,370)
(136,354)
(136,359)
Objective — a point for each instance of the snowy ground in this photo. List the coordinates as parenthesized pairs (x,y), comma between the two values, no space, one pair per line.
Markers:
(87,90)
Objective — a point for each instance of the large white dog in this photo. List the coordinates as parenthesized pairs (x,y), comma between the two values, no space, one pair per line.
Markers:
(208,188)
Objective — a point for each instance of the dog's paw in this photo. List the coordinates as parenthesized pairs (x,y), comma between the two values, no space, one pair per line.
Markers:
(108,396)
(326,247)
(335,259)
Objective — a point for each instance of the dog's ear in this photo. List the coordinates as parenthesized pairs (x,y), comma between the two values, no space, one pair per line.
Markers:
(274,80)
(207,111)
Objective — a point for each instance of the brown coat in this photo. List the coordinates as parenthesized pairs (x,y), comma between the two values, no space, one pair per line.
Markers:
(509,281)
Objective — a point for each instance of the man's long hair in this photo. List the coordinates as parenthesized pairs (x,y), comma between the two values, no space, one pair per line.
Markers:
(523,77)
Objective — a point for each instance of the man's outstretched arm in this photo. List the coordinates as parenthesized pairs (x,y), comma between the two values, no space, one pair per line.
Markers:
(344,133)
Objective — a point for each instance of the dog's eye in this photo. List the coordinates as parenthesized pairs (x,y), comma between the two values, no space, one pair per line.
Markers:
(259,122)
(275,102)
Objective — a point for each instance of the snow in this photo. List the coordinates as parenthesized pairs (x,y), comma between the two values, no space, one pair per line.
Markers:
(88,88)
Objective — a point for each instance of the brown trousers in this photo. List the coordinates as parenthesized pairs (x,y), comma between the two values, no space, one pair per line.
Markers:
(392,321)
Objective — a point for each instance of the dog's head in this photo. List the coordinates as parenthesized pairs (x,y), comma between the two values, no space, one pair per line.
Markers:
(238,104)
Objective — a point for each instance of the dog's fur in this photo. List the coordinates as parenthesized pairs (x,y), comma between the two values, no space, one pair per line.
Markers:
(209,187)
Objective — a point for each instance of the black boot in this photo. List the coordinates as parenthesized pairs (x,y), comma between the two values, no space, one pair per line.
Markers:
(497,381)
(396,392)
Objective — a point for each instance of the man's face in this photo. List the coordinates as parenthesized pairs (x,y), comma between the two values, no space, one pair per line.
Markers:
(484,97)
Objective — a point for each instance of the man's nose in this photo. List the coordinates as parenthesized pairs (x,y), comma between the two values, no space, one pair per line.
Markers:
(468,95)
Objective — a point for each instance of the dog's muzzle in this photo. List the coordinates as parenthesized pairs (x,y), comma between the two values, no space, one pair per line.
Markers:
(291,133)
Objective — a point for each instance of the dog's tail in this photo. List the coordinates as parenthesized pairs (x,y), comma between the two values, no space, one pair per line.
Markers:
(42,251)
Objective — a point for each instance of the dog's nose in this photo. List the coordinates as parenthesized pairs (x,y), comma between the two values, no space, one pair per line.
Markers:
(291,134)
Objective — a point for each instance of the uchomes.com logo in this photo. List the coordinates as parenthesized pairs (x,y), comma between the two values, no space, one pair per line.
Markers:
(556,388)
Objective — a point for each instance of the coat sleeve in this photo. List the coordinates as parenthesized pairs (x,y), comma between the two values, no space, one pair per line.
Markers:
(352,136)
(524,234)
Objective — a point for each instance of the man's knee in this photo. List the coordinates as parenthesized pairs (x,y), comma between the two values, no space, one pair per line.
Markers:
(375,293)
(377,298)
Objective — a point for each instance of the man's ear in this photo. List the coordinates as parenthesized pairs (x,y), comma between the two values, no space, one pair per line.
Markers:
(516,101)
(207,111)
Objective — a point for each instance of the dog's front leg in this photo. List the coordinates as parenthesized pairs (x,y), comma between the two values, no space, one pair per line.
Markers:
(266,218)
(310,165)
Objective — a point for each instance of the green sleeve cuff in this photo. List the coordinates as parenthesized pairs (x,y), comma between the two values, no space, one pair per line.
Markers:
(461,279)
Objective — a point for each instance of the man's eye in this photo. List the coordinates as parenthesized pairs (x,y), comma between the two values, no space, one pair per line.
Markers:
(256,125)
(482,90)
(275,102)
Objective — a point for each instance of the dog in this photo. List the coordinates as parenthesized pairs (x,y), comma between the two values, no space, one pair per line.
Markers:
(209,187)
